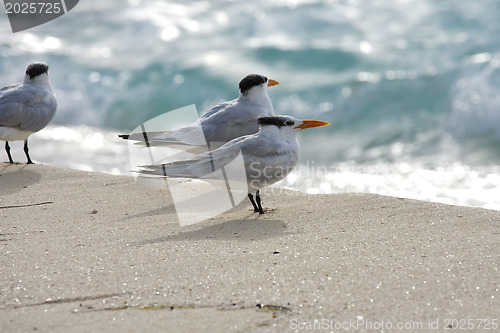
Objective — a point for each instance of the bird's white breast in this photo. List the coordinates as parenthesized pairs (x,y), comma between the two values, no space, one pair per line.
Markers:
(13,134)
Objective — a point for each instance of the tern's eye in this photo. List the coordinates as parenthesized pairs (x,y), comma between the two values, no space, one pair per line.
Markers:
(290,123)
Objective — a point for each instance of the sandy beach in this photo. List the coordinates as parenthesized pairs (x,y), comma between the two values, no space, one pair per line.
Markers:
(90,252)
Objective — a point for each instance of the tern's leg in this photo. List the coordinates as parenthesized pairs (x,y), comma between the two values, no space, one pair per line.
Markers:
(257,197)
(7,149)
(26,151)
(255,209)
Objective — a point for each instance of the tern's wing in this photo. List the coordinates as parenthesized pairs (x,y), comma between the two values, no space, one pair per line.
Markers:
(237,118)
(8,89)
(201,166)
(12,102)
(26,107)
(189,135)
(217,125)
(221,124)
(218,108)
(196,133)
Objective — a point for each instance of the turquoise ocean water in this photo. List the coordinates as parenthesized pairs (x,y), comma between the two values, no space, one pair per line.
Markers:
(412,88)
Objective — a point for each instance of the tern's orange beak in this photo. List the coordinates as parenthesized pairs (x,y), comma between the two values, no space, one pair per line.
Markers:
(271,82)
(311,123)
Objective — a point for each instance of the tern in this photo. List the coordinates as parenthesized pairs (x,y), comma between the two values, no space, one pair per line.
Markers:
(269,156)
(26,107)
(223,122)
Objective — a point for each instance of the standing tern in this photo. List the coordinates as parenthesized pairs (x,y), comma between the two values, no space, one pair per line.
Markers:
(269,156)
(223,122)
(26,107)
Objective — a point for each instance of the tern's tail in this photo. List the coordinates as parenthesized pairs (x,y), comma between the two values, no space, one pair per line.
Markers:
(141,136)
(176,169)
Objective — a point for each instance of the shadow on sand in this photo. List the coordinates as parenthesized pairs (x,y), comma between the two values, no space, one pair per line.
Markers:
(248,229)
(14,179)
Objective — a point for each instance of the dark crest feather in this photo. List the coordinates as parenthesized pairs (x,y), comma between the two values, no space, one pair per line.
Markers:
(36,69)
(276,121)
(250,81)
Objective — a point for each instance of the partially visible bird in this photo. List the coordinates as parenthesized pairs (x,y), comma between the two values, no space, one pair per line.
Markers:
(26,107)
(269,156)
(223,122)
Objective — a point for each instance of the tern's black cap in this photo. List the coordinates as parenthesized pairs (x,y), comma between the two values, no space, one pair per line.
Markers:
(250,81)
(36,69)
(276,121)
